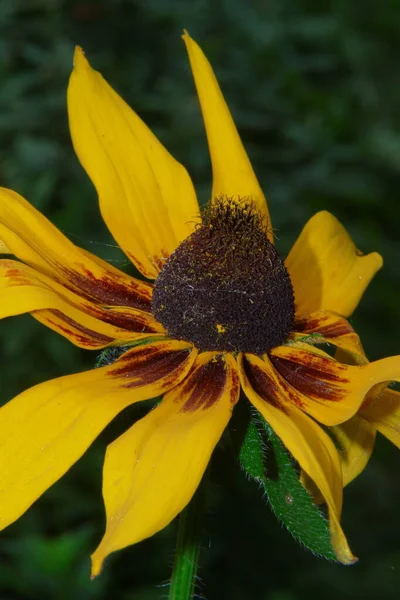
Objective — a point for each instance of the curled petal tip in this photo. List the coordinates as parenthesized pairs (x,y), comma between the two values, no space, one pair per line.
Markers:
(349,561)
(378,260)
(339,543)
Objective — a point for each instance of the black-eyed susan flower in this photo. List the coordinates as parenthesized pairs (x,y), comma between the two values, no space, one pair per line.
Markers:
(225,313)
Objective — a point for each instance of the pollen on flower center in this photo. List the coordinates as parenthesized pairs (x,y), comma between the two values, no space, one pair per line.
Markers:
(225,287)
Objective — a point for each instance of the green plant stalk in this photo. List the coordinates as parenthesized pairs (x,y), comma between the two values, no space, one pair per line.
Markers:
(184,573)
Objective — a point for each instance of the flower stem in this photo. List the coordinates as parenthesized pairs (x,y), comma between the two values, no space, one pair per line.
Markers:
(188,547)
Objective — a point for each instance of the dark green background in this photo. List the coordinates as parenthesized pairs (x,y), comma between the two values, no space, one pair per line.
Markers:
(314,89)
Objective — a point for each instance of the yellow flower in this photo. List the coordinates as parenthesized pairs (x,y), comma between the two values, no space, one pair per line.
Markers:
(226,319)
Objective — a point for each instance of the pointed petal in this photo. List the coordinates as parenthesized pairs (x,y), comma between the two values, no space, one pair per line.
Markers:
(152,471)
(305,440)
(233,175)
(146,197)
(329,391)
(334,330)
(46,429)
(326,269)
(384,414)
(88,325)
(35,241)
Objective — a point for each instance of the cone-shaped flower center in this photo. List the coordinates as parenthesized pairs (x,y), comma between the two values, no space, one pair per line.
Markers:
(225,287)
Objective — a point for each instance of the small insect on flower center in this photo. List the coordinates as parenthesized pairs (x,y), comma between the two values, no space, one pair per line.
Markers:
(225,287)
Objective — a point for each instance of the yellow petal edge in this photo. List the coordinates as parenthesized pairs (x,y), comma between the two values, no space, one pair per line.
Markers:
(233,175)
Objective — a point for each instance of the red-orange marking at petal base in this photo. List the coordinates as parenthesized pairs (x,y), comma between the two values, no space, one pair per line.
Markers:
(108,290)
(132,319)
(262,384)
(93,337)
(330,330)
(207,383)
(321,381)
(15,274)
(147,364)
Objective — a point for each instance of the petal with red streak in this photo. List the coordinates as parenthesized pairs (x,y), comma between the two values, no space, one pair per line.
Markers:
(334,329)
(152,471)
(305,440)
(46,429)
(38,243)
(329,391)
(88,325)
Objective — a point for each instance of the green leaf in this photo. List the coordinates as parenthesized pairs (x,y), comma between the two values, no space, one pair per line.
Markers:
(265,459)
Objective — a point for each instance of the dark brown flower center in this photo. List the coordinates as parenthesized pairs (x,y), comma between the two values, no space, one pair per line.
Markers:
(225,287)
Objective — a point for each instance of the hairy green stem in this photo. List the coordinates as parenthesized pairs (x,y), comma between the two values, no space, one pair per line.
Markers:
(188,547)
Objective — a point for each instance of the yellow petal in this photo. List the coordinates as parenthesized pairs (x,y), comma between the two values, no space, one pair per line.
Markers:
(329,391)
(310,446)
(38,243)
(152,471)
(334,330)
(233,175)
(326,269)
(3,248)
(356,439)
(86,324)
(381,406)
(46,429)
(384,414)
(146,197)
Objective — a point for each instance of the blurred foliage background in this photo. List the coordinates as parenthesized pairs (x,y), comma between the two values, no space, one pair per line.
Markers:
(313,87)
